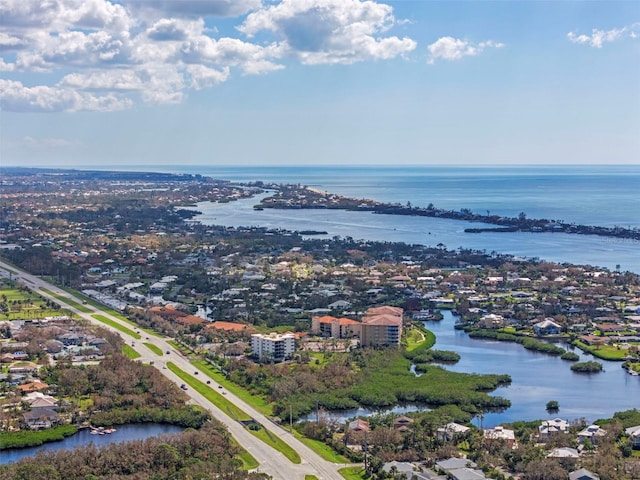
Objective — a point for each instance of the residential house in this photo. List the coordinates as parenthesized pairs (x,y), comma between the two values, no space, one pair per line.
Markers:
(358,425)
(564,452)
(634,436)
(550,428)
(491,320)
(547,327)
(591,433)
(402,423)
(500,434)
(583,474)
(460,469)
(405,468)
(450,431)
(41,418)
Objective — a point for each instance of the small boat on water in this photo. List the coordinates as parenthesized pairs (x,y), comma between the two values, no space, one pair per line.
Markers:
(101,430)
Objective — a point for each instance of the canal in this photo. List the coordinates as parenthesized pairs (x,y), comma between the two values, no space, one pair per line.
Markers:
(538,378)
(123,433)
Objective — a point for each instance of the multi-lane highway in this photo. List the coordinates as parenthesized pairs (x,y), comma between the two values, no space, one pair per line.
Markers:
(271,461)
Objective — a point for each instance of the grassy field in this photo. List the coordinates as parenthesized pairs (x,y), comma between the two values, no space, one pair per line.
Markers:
(419,338)
(210,394)
(247,459)
(22,305)
(181,348)
(256,402)
(67,300)
(130,352)
(604,352)
(277,443)
(116,325)
(153,348)
(325,451)
(353,473)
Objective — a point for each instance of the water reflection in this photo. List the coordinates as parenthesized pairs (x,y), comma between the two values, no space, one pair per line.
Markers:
(123,433)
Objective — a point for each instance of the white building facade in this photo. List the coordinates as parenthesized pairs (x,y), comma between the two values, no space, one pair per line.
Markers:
(273,346)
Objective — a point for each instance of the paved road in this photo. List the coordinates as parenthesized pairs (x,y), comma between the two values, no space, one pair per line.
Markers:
(271,461)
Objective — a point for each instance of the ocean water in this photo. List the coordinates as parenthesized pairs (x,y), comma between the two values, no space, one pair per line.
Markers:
(588,195)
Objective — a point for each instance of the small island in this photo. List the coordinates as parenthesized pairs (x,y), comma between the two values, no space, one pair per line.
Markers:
(587,367)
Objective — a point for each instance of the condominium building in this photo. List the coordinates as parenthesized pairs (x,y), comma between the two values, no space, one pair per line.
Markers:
(381,330)
(332,327)
(273,346)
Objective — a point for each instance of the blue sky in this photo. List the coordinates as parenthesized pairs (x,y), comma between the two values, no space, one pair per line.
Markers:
(99,83)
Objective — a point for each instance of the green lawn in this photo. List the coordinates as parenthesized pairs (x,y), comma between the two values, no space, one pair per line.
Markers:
(604,352)
(353,473)
(130,352)
(23,305)
(419,338)
(248,461)
(256,402)
(181,348)
(310,477)
(277,443)
(325,451)
(67,300)
(210,394)
(153,348)
(116,325)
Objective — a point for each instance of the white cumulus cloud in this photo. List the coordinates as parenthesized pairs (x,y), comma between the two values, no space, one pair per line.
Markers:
(600,37)
(330,31)
(16,97)
(106,55)
(449,48)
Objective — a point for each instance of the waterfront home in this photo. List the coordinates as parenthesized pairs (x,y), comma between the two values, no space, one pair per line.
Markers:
(634,436)
(591,433)
(450,430)
(500,434)
(41,418)
(583,474)
(547,327)
(402,423)
(358,425)
(549,428)
(492,320)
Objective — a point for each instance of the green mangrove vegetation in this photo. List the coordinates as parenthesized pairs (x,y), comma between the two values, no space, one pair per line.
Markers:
(587,367)
(527,342)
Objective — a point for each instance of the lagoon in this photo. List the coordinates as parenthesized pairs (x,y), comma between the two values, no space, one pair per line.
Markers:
(539,377)
(605,252)
(123,433)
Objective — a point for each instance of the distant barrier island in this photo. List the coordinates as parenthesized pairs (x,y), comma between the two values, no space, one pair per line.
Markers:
(300,196)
